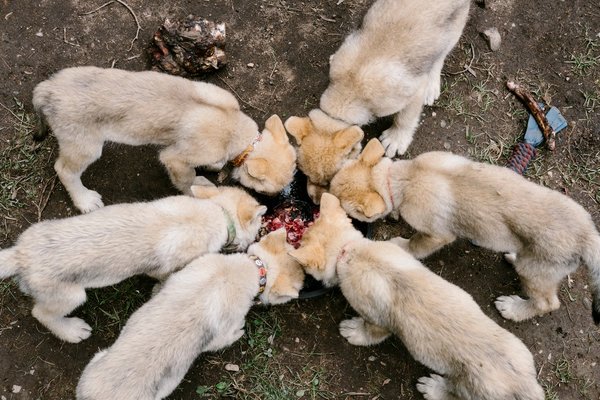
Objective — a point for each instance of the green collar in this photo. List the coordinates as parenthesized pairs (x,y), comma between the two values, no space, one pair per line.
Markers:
(229,246)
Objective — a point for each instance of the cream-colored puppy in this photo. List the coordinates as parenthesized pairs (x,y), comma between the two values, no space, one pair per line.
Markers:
(545,234)
(196,123)
(390,66)
(439,323)
(55,261)
(200,308)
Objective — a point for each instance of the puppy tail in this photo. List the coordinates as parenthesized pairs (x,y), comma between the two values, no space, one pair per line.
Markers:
(40,99)
(8,264)
(591,257)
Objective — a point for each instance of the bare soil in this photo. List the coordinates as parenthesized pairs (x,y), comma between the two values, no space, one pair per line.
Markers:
(552,47)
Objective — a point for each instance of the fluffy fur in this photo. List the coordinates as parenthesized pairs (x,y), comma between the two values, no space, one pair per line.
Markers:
(196,123)
(545,234)
(439,323)
(55,261)
(390,66)
(200,308)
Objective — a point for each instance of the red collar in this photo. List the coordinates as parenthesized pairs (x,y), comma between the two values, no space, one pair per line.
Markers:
(239,160)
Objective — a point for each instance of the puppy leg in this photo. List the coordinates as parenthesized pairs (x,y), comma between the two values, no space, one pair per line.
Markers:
(435,387)
(50,310)
(397,138)
(422,244)
(73,159)
(540,283)
(182,174)
(433,90)
(359,332)
(400,242)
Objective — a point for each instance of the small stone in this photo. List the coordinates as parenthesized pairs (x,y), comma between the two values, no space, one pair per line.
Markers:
(232,367)
(493,37)
(447,145)
(372,358)
(39,33)
(433,114)
(297,340)
(16,389)
(385,382)
(250,65)
(443,124)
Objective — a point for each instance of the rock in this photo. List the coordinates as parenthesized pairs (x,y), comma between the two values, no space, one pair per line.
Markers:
(16,389)
(493,38)
(232,367)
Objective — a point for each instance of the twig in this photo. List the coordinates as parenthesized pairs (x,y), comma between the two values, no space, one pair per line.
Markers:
(42,205)
(238,96)
(535,110)
(65,38)
(467,67)
(10,111)
(137,22)
(324,18)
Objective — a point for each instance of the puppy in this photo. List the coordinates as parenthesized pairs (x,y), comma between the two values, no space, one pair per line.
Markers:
(196,123)
(545,234)
(200,308)
(390,66)
(55,261)
(439,323)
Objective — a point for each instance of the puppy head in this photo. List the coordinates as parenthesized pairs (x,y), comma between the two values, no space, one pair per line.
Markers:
(285,276)
(272,163)
(322,241)
(245,212)
(355,185)
(323,145)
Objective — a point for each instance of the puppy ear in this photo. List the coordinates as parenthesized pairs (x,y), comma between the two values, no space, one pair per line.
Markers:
(310,256)
(372,205)
(257,168)
(372,153)
(298,127)
(283,288)
(249,212)
(348,138)
(275,126)
(204,191)
(329,203)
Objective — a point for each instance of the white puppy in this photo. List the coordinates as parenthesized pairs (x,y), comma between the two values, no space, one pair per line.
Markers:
(55,261)
(439,323)
(196,123)
(200,308)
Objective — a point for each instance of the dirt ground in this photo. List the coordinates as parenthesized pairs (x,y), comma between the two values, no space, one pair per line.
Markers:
(294,350)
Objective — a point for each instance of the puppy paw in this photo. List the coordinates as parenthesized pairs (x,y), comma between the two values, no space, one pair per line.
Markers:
(433,387)
(513,307)
(88,201)
(511,258)
(354,331)
(73,330)
(433,92)
(394,142)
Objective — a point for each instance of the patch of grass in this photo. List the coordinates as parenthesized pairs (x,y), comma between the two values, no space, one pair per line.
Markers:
(562,370)
(550,393)
(22,164)
(107,309)
(585,62)
(590,102)
(262,375)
